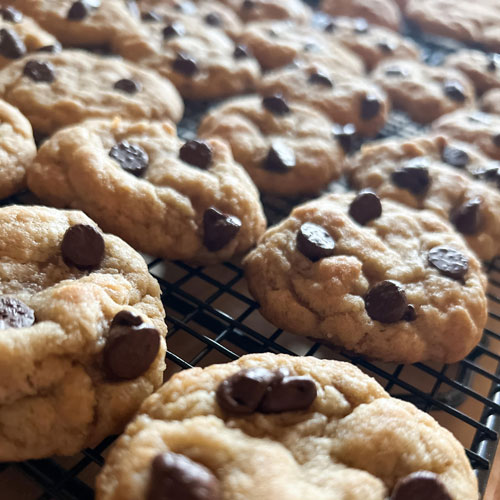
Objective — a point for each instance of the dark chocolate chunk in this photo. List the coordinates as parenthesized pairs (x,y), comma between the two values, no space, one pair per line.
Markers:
(449,262)
(315,242)
(127,85)
(365,207)
(386,302)
(467,217)
(213,19)
(83,247)
(241,52)
(15,314)
(455,157)
(276,104)
(126,318)
(289,393)
(197,153)
(81,9)
(11,46)
(320,78)
(280,158)
(39,71)
(330,27)
(219,229)
(496,140)
(173,29)
(454,90)
(185,65)
(386,46)
(51,49)
(370,107)
(133,159)
(410,314)
(414,177)
(422,485)
(11,15)
(493,62)
(347,137)
(248,4)
(151,16)
(361,26)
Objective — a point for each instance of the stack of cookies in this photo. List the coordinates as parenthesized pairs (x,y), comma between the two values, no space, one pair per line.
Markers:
(91,93)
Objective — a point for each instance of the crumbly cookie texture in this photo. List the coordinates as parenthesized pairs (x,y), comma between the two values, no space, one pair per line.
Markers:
(328,451)
(489,102)
(424,92)
(330,295)
(17,149)
(287,149)
(475,127)
(56,90)
(140,181)
(344,98)
(429,182)
(278,43)
(56,395)
(258,10)
(383,12)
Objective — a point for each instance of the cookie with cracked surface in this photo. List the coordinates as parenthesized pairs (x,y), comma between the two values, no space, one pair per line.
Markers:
(56,90)
(344,98)
(370,276)
(287,149)
(321,441)
(177,200)
(17,149)
(424,92)
(75,304)
(259,10)
(383,12)
(418,173)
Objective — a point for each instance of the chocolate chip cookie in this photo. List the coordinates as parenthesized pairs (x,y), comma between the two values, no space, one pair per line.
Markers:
(177,200)
(371,276)
(55,90)
(424,92)
(259,10)
(273,425)
(83,336)
(489,101)
(424,173)
(288,149)
(345,98)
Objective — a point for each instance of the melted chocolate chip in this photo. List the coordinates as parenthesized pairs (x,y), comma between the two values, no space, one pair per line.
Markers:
(219,229)
(454,90)
(315,242)
(320,78)
(172,30)
(280,158)
(467,217)
(132,159)
(15,314)
(127,85)
(185,65)
(410,314)
(449,262)
(151,16)
(370,107)
(365,207)
(361,26)
(197,153)
(330,27)
(11,15)
(51,49)
(347,137)
(11,46)
(213,19)
(386,302)
(288,393)
(83,247)
(413,177)
(248,4)
(455,157)
(126,318)
(276,104)
(422,485)
(39,71)
(177,477)
(81,9)
(241,52)
(386,46)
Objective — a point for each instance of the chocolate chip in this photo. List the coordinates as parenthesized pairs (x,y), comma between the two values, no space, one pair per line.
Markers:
(289,393)
(11,46)
(396,71)
(15,314)
(219,229)
(315,242)
(151,16)
(242,392)
(185,64)
(213,19)
(241,52)
(276,104)
(133,159)
(347,137)
(386,302)
(280,158)
(127,85)
(248,4)
(454,90)
(365,207)
(420,485)
(177,477)
(370,107)
(81,9)
(410,314)
(131,347)
(413,177)
(386,46)
(51,49)
(496,140)
(311,47)
(320,78)
(493,62)
(489,173)
(361,26)
(83,247)
(330,27)
(449,262)
(11,15)
(467,217)
(172,30)
(197,153)
(39,71)
(455,157)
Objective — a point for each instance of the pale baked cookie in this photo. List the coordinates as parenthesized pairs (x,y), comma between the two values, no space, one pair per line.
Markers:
(55,90)
(382,12)
(269,426)
(168,198)
(424,92)
(278,43)
(83,337)
(17,149)
(373,277)
(343,97)
(288,149)
(418,173)
(490,101)
(258,10)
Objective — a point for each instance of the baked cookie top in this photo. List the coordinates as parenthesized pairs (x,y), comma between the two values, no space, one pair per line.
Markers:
(489,101)
(259,10)
(287,148)
(56,90)
(424,92)
(74,304)
(318,432)
(374,277)
(177,200)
